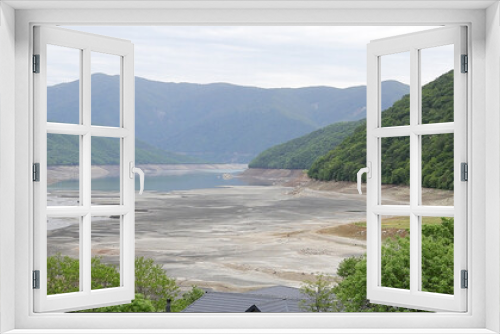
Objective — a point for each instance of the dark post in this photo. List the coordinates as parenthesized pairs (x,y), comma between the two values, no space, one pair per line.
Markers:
(167,308)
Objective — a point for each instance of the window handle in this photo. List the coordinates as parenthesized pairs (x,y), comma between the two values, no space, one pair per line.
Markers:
(136,170)
(368,171)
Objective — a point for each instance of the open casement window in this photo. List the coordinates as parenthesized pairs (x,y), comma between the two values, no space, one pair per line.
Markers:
(70,142)
(423,131)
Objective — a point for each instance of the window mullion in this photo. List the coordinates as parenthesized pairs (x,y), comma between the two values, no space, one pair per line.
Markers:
(414,171)
(86,177)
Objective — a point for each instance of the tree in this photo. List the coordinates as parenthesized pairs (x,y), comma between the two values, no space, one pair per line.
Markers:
(139,304)
(437,269)
(63,274)
(153,286)
(152,281)
(320,293)
(343,161)
(187,299)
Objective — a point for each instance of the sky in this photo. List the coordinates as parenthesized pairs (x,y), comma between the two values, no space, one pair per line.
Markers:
(261,56)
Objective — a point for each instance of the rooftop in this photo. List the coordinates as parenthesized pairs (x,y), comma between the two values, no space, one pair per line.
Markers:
(276,299)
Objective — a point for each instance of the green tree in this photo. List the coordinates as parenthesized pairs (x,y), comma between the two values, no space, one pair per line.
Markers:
(437,269)
(187,299)
(103,275)
(63,274)
(343,162)
(153,286)
(139,304)
(300,153)
(152,282)
(321,295)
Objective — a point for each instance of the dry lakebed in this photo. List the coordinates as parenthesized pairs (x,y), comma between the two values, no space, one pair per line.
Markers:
(237,238)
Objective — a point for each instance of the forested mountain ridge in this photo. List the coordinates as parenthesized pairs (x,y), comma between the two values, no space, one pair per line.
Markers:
(218,122)
(343,162)
(300,153)
(64,150)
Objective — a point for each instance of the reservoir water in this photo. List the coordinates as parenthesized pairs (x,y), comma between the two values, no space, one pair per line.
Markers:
(66,192)
(165,182)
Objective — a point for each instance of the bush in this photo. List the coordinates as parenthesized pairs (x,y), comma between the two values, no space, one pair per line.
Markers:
(139,304)
(321,295)
(153,287)
(152,282)
(437,269)
(187,299)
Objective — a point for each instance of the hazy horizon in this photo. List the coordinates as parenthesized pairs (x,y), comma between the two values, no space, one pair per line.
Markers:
(267,57)
(231,84)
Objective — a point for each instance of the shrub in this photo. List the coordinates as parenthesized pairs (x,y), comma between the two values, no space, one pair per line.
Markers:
(437,269)
(153,287)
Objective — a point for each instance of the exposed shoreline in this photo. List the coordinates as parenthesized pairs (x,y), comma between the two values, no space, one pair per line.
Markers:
(234,238)
(391,194)
(66,173)
(238,238)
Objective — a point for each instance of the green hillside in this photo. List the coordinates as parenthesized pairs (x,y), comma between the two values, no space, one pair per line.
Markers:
(343,162)
(217,122)
(301,152)
(63,150)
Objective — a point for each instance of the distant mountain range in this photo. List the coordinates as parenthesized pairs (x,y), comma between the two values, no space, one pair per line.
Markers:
(218,122)
(64,150)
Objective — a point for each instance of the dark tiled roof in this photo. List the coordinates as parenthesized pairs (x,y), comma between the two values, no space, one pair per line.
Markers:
(279,291)
(279,306)
(275,299)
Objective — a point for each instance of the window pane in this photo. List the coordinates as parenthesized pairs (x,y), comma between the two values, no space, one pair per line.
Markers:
(395,67)
(63,255)
(106,187)
(395,252)
(105,89)
(437,169)
(395,171)
(63,170)
(437,84)
(63,84)
(437,254)
(106,239)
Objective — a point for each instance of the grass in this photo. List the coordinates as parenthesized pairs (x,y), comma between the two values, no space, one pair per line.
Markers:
(401,222)
(391,227)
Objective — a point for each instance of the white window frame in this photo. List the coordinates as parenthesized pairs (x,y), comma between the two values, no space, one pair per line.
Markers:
(414,297)
(86,44)
(483,293)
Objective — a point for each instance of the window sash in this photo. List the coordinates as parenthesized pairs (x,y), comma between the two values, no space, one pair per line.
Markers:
(414,298)
(86,298)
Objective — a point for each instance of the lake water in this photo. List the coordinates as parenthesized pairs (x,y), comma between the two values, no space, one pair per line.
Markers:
(66,192)
(169,181)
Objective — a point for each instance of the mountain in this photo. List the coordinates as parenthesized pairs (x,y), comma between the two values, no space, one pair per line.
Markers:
(300,153)
(64,150)
(343,162)
(218,122)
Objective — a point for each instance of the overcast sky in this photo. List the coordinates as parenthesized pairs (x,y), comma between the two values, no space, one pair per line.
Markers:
(254,56)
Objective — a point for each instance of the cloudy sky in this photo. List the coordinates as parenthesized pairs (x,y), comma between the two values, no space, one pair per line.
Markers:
(253,56)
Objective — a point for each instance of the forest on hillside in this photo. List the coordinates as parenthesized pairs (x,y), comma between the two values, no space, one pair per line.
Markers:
(343,162)
(65,150)
(301,152)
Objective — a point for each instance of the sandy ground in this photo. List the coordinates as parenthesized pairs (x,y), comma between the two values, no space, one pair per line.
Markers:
(238,238)
(231,239)
(304,186)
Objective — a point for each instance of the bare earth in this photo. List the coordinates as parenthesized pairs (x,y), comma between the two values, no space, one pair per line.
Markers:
(243,237)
